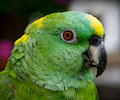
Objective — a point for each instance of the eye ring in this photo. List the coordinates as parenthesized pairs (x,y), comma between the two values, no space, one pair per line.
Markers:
(69,36)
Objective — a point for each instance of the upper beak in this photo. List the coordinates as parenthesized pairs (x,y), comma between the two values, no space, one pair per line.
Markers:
(96,56)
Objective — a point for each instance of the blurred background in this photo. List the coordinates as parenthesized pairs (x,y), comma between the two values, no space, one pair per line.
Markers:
(15,15)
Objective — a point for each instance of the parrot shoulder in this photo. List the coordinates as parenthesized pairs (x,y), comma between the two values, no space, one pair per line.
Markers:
(6,87)
(88,93)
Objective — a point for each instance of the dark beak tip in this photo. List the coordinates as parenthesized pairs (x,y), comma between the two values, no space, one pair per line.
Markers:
(100,70)
(98,74)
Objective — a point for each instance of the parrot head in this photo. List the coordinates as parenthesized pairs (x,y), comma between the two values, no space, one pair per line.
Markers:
(66,45)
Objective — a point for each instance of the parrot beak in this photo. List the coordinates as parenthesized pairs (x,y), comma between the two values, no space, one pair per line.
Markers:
(96,56)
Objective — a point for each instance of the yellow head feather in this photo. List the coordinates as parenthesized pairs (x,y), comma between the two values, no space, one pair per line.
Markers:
(39,22)
(96,24)
(22,39)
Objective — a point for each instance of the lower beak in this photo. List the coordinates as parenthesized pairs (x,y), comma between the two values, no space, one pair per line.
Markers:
(96,56)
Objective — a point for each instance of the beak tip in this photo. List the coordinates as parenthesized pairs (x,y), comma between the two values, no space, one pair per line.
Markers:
(100,70)
(97,75)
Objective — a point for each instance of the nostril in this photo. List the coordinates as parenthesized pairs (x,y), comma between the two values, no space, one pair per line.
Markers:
(95,40)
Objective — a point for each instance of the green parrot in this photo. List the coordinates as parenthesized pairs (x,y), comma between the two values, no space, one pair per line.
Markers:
(53,60)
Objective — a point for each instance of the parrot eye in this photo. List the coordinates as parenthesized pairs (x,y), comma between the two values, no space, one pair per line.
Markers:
(69,36)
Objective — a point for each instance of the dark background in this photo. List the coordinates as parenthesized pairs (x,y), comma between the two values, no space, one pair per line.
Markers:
(15,15)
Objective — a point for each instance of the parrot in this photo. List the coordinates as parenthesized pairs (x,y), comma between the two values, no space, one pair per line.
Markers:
(54,59)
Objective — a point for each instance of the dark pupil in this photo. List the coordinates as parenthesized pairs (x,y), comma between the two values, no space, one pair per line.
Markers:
(67,35)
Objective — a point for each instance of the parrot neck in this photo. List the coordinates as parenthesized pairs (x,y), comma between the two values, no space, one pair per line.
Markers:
(51,76)
(62,82)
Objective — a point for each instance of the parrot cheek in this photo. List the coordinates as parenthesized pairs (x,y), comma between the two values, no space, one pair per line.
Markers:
(96,56)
